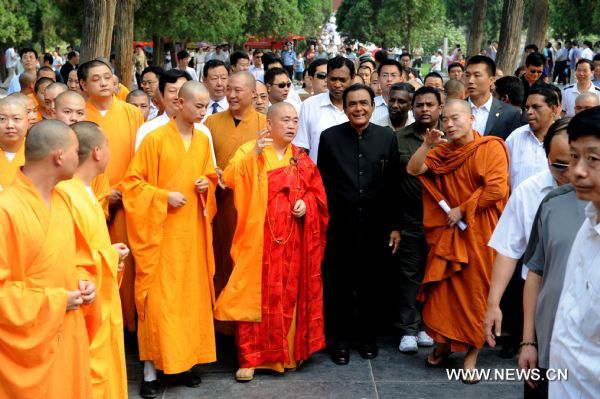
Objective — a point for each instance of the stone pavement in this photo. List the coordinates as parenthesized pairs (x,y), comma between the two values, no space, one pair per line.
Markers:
(390,375)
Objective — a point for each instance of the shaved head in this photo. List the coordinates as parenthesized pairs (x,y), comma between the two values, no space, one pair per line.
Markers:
(461,105)
(13,123)
(455,89)
(69,107)
(46,137)
(191,88)
(26,79)
(193,101)
(282,122)
(16,100)
(136,93)
(278,108)
(29,105)
(90,136)
(585,101)
(246,77)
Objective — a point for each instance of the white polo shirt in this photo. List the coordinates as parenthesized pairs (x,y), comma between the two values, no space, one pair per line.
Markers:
(527,155)
(570,93)
(481,114)
(575,343)
(511,234)
(317,114)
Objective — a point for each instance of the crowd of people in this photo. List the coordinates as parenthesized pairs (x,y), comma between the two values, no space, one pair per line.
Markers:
(224,200)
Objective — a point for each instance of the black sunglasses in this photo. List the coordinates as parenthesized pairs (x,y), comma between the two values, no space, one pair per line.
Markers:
(321,76)
(281,85)
(561,167)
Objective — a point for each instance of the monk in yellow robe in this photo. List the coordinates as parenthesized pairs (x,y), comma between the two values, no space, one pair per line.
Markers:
(230,129)
(30,107)
(39,94)
(470,173)
(107,351)
(13,129)
(120,90)
(169,200)
(119,121)
(46,275)
(279,242)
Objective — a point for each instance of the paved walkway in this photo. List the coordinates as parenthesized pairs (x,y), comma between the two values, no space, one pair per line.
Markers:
(390,375)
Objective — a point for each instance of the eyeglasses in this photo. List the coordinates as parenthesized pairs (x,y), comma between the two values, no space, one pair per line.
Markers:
(321,75)
(282,85)
(560,167)
(536,71)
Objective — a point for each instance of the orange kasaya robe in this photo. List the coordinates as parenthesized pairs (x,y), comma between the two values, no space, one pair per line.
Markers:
(459,266)
(174,292)
(37,106)
(275,290)
(107,350)
(227,138)
(120,125)
(8,169)
(123,92)
(44,349)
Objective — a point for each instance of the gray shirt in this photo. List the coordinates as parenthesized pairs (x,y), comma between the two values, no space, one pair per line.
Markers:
(556,224)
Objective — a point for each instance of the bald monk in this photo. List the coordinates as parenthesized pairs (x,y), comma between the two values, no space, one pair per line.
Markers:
(46,72)
(279,242)
(141,100)
(230,129)
(27,82)
(44,280)
(107,351)
(120,90)
(119,121)
(73,82)
(170,189)
(13,129)
(40,96)
(29,104)
(52,91)
(470,173)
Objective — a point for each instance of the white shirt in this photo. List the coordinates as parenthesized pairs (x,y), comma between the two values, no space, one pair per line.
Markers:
(14,86)
(191,72)
(587,53)
(380,110)
(570,93)
(11,57)
(527,155)
(153,111)
(575,343)
(481,115)
(162,120)
(258,73)
(10,155)
(222,105)
(385,121)
(317,114)
(436,63)
(511,234)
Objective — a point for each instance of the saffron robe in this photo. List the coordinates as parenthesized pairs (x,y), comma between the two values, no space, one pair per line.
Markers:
(275,289)
(227,138)
(44,349)
(37,106)
(459,265)
(120,125)
(174,292)
(123,92)
(8,169)
(107,349)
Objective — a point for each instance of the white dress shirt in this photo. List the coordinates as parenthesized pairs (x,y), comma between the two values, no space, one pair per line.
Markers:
(258,73)
(153,110)
(527,155)
(380,110)
(587,53)
(481,115)
(575,343)
(511,234)
(162,120)
(317,114)
(222,105)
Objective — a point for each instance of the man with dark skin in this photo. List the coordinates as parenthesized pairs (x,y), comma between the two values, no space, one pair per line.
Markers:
(399,105)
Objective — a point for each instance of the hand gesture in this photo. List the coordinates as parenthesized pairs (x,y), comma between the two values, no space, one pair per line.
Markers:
(123,253)
(221,183)
(395,239)
(264,139)
(201,185)
(528,361)
(434,137)
(492,325)
(73,300)
(88,291)
(454,216)
(115,198)
(176,200)
(299,209)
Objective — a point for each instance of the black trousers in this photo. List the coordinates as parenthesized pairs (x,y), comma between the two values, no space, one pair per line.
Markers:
(512,306)
(559,71)
(540,391)
(352,280)
(408,268)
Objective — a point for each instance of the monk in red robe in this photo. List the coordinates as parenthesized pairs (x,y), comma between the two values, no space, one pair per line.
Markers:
(275,290)
(46,275)
(469,174)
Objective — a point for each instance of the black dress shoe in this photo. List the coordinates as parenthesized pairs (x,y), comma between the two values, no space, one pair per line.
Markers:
(509,350)
(368,351)
(340,356)
(149,389)
(188,378)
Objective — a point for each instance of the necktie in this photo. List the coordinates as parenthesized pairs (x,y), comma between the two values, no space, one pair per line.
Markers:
(215,108)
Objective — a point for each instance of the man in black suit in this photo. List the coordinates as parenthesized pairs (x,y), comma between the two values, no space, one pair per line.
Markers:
(492,117)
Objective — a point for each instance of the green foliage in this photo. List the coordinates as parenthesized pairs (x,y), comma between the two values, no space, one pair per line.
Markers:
(459,13)
(357,18)
(571,19)
(14,25)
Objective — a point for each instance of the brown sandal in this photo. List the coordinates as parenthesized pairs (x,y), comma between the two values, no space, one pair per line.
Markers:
(442,356)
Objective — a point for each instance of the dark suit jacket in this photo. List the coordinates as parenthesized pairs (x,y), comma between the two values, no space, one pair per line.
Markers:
(503,119)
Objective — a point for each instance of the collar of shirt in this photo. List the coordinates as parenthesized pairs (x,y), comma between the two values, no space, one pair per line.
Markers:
(326,102)
(590,88)
(532,136)
(222,104)
(487,106)
(592,214)
(380,101)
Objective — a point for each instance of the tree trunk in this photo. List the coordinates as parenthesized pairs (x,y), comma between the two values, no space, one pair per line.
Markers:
(158,54)
(173,53)
(476,31)
(97,29)
(124,40)
(538,23)
(510,35)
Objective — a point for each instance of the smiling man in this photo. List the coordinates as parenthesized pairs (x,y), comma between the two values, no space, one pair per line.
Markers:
(358,161)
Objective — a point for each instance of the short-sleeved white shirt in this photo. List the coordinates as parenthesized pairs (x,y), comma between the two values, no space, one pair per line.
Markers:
(527,155)
(570,93)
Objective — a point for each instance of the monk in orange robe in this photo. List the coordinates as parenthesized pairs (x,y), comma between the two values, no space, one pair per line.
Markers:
(39,94)
(120,90)
(13,129)
(107,350)
(30,107)
(169,200)
(120,122)
(46,275)
(230,129)
(470,173)
(279,242)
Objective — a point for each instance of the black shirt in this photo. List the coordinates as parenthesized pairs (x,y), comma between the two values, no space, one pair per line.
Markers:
(65,70)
